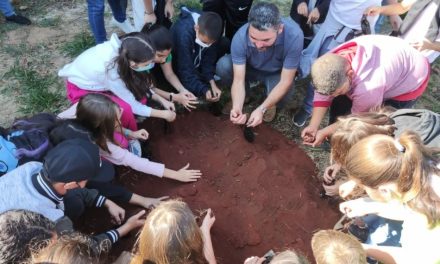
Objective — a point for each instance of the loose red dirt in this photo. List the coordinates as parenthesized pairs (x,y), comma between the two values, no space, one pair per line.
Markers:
(263,194)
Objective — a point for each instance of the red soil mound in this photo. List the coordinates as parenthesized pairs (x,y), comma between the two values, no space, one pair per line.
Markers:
(263,194)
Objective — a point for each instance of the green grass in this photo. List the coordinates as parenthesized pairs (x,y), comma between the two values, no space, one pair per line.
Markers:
(50,22)
(79,43)
(33,90)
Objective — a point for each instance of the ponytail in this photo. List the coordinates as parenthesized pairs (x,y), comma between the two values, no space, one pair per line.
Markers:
(405,161)
(135,47)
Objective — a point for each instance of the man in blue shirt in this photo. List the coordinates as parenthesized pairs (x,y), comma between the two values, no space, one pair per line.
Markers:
(267,49)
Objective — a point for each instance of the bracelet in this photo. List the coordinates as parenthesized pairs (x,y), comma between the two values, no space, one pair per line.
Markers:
(126,132)
(171,97)
(146,13)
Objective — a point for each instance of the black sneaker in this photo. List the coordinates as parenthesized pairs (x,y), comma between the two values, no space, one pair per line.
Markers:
(18,19)
(300,118)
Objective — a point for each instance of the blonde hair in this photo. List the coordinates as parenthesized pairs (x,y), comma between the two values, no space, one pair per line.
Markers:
(381,159)
(289,257)
(170,235)
(334,247)
(72,248)
(353,128)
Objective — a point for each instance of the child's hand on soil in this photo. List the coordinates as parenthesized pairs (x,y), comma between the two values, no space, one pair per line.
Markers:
(188,100)
(331,172)
(153,202)
(332,190)
(169,116)
(346,188)
(254,260)
(116,212)
(208,221)
(185,175)
(136,220)
(168,105)
(140,134)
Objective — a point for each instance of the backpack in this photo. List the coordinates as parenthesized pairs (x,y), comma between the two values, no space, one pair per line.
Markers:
(26,140)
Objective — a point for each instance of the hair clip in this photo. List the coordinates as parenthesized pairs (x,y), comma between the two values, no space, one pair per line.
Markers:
(399,146)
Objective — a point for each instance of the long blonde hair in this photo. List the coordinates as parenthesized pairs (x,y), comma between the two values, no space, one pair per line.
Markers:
(381,159)
(335,247)
(353,128)
(170,235)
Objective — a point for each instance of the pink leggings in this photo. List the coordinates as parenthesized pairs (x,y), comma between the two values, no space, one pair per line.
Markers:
(74,93)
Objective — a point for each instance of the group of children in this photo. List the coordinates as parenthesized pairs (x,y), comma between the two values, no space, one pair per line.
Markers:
(55,166)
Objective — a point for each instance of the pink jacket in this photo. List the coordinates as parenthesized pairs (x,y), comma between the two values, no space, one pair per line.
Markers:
(384,68)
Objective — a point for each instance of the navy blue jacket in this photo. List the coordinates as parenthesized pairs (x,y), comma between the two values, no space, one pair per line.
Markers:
(185,52)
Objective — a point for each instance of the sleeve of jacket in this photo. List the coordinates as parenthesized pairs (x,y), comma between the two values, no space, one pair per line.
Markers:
(322,6)
(209,57)
(185,65)
(99,243)
(90,197)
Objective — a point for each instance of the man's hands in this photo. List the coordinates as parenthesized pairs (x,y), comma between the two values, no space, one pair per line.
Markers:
(237,117)
(116,212)
(256,117)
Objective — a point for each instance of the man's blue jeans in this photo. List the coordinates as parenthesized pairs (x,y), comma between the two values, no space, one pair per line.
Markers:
(225,71)
(96,16)
(6,8)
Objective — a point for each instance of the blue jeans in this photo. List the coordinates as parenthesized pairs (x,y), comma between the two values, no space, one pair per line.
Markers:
(96,16)
(6,8)
(310,93)
(270,79)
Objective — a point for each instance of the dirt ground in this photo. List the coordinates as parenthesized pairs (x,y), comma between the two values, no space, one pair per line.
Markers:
(263,194)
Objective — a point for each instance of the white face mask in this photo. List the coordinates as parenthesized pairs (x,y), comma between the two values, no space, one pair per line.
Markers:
(145,68)
(202,44)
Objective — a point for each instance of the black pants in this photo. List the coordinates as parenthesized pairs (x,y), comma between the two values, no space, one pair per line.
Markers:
(233,12)
(159,11)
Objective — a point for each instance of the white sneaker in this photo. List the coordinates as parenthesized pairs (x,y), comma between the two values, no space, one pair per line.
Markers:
(125,26)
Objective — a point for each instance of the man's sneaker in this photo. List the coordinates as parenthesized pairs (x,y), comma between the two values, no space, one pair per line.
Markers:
(18,19)
(270,114)
(300,118)
(125,26)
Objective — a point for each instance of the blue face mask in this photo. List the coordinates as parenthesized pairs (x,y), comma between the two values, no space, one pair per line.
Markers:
(145,68)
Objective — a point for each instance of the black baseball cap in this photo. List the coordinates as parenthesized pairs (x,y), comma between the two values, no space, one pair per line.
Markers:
(76,160)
